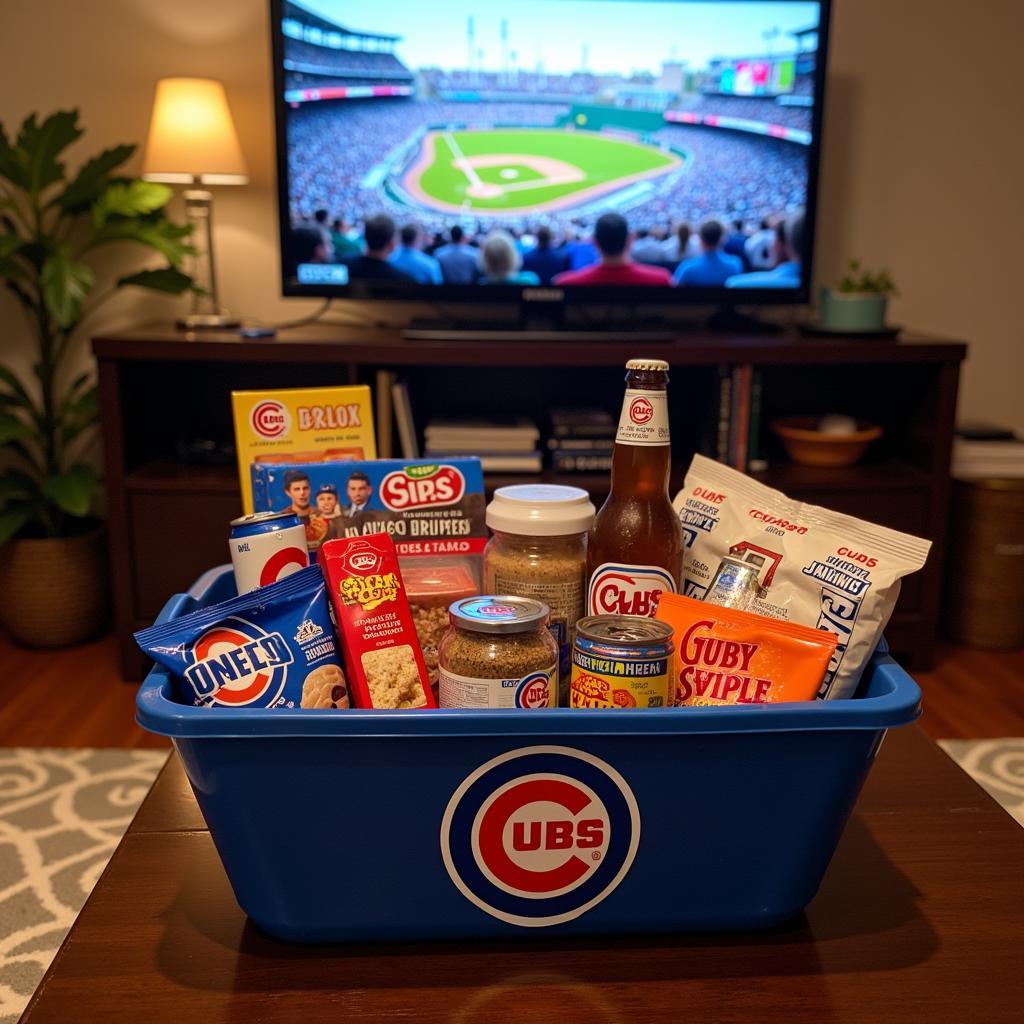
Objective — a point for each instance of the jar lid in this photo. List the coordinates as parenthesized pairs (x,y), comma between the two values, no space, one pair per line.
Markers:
(501,613)
(540,510)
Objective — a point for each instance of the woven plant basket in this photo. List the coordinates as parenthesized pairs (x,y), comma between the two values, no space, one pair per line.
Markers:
(53,591)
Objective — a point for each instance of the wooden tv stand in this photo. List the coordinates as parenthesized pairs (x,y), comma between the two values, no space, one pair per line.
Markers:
(160,388)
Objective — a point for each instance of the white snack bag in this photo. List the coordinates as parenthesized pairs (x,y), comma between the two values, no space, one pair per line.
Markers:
(815,567)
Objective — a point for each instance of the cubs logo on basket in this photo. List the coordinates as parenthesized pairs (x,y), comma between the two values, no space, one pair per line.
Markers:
(540,835)
(236,663)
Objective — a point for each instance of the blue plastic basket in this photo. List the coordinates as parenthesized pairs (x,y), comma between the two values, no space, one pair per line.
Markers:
(378,825)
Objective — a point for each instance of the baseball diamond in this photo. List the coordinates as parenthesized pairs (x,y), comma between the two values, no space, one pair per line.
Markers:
(506,172)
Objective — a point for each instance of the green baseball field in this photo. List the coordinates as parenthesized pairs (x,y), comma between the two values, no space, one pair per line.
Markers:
(514,171)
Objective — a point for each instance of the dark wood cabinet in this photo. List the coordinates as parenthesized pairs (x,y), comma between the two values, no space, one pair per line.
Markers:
(162,390)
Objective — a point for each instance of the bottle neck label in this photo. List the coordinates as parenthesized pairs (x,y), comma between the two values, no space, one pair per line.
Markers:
(644,419)
(618,589)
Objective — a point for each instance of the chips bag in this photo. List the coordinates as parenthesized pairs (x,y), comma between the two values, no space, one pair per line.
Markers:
(815,567)
(270,648)
(729,656)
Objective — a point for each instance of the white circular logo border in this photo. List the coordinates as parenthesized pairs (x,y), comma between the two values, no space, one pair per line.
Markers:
(570,915)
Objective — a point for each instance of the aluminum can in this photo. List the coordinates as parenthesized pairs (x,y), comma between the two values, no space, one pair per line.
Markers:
(734,585)
(621,661)
(266,547)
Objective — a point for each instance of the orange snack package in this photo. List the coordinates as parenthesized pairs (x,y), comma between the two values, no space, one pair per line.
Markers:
(730,656)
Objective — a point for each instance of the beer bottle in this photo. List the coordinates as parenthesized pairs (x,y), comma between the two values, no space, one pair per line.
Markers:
(635,549)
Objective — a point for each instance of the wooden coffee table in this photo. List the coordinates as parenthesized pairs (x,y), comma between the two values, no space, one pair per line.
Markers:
(920,918)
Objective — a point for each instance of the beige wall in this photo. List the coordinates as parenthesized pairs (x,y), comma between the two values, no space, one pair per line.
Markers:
(922,166)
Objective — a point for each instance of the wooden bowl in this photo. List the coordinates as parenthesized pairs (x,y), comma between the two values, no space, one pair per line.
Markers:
(807,446)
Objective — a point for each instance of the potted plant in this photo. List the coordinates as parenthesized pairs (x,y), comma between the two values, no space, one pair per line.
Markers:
(858,303)
(52,569)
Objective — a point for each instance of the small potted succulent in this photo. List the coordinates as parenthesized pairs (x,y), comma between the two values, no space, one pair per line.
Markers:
(53,577)
(858,303)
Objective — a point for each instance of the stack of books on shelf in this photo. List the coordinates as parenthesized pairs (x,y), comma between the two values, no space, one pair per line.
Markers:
(503,445)
(975,459)
(581,440)
(739,418)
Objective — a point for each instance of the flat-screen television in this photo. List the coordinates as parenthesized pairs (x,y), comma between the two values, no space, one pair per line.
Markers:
(593,150)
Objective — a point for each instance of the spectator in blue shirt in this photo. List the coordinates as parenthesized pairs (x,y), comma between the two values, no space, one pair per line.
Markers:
(423,269)
(736,243)
(713,267)
(789,244)
(458,260)
(581,252)
(545,261)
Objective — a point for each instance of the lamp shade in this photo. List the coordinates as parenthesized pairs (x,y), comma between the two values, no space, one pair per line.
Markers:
(191,135)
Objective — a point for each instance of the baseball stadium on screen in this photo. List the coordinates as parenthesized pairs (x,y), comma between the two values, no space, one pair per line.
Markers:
(547,143)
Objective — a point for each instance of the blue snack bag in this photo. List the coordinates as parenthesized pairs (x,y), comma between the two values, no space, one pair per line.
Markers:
(271,648)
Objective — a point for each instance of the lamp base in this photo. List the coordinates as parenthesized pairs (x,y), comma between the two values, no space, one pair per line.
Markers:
(207,322)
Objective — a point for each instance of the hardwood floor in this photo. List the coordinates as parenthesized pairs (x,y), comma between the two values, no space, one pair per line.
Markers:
(75,698)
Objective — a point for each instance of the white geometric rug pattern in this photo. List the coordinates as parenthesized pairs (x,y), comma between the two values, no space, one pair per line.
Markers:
(997,766)
(62,813)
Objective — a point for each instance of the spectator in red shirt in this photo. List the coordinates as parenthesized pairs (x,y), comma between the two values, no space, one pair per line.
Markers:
(612,238)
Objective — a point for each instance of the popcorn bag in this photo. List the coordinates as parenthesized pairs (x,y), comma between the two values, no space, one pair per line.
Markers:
(383,660)
(815,567)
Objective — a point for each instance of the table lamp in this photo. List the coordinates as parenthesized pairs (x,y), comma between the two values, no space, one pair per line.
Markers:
(192,140)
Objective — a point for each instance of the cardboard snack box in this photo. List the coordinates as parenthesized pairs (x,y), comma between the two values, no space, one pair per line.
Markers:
(302,424)
(428,507)
(383,660)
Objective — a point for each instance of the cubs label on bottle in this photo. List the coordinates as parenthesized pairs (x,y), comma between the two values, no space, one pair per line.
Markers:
(621,661)
(635,549)
(266,547)
(627,589)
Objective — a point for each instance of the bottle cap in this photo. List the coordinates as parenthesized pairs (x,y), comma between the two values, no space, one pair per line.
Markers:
(647,364)
(540,510)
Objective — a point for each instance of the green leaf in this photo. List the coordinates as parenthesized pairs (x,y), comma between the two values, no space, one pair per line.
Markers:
(11,166)
(12,519)
(39,145)
(161,235)
(80,414)
(12,428)
(92,178)
(9,244)
(129,199)
(74,490)
(65,284)
(166,279)
(15,386)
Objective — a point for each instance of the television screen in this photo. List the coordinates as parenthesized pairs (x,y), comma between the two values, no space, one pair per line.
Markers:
(463,146)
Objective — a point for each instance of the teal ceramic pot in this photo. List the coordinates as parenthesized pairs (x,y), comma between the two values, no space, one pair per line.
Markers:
(857,312)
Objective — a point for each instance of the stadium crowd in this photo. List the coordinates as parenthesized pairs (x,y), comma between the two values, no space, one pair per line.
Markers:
(748,176)
(763,255)
(302,56)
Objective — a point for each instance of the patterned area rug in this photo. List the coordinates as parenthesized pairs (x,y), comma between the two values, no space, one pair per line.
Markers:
(995,765)
(62,812)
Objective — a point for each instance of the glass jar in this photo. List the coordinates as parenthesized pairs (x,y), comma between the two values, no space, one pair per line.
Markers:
(539,549)
(498,653)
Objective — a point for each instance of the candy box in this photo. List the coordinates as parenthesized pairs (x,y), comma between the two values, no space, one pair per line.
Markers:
(383,659)
(305,424)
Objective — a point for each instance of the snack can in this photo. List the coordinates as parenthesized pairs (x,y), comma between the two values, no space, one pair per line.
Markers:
(621,661)
(266,547)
